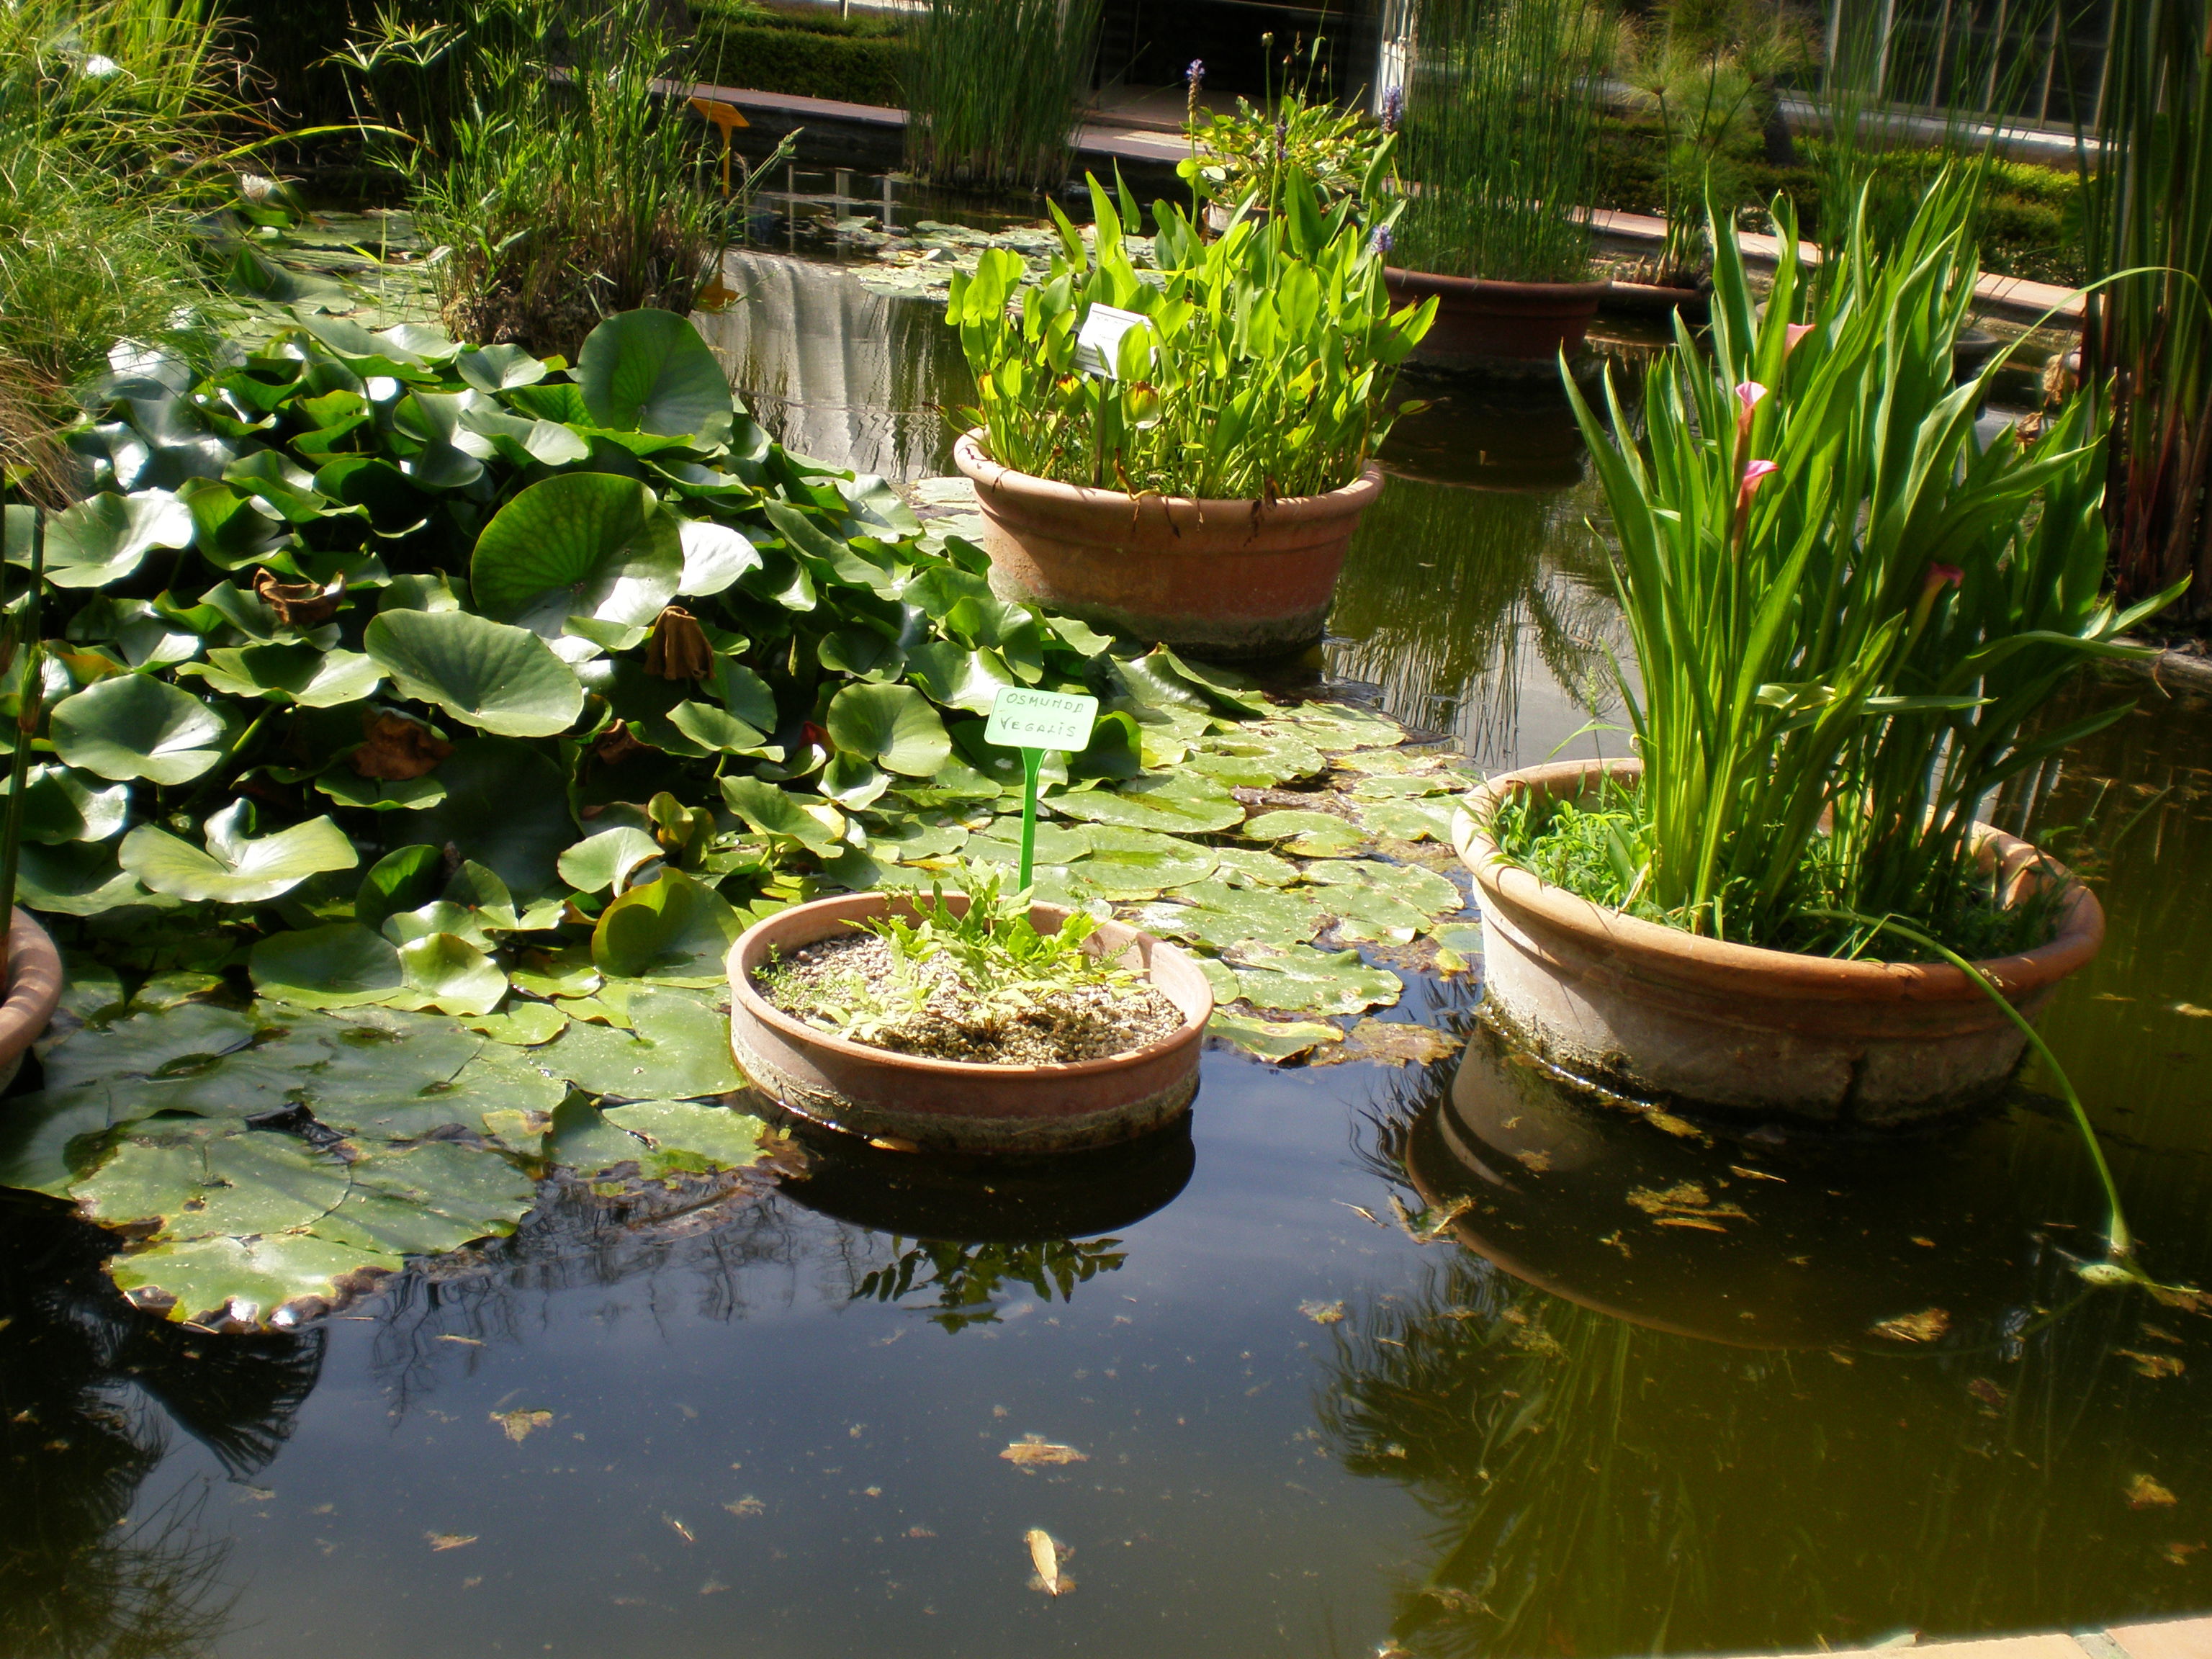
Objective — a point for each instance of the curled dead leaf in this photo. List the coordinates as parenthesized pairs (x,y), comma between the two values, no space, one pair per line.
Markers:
(1034,1451)
(519,1424)
(678,649)
(1323,1313)
(299,604)
(2146,1493)
(395,749)
(1923,1326)
(617,744)
(1045,1553)
(449,1540)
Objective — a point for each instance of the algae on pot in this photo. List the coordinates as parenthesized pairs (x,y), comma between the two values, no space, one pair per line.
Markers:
(982,985)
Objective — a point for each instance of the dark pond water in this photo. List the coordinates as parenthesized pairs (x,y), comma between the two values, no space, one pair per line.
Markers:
(1561,1425)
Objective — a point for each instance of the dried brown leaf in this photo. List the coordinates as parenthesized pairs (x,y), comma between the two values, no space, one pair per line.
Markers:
(1923,1326)
(2146,1493)
(1034,1451)
(395,749)
(519,1424)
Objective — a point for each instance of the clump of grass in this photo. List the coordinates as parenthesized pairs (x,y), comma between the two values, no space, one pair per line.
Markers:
(109,135)
(559,185)
(996,89)
(1501,117)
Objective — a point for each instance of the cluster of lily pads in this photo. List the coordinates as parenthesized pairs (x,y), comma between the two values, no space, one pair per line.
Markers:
(422,723)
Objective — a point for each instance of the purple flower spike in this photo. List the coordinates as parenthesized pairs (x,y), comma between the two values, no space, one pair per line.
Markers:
(1382,242)
(1195,74)
(1394,106)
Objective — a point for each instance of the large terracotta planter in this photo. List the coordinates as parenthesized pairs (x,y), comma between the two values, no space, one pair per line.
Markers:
(1653,1011)
(1481,323)
(34,991)
(1229,580)
(958,1106)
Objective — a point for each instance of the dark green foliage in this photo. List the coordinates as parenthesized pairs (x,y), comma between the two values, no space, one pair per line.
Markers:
(996,88)
(857,61)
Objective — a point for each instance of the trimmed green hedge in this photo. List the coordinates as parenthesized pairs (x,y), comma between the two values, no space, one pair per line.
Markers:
(861,60)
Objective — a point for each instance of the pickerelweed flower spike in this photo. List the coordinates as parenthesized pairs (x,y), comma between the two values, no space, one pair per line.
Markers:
(1195,73)
(1382,242)
(1394,106)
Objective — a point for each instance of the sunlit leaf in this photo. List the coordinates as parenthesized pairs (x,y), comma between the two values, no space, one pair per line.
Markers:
(235,869)
(502,679)
(136,726)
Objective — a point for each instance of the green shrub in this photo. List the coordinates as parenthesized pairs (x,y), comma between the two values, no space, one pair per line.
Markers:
(767,51)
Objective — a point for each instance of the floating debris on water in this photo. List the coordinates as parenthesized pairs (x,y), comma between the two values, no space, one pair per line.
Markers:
(1034,1451)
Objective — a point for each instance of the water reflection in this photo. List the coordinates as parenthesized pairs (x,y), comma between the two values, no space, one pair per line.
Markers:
(89,1388)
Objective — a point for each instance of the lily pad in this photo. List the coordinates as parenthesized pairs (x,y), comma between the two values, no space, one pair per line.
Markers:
(429,1198)
(524,1025)
(1219,916)
(504,680)
(292,673)
(893,725)
(60,806)
(1256,761)
(583,1140)
(1272,1039)
(608,860)
(1140,864)
(260,1277)
(649,371)
(1338,726)
(172,1179)
(578,544)
(107,538)
(1395,1042)
(1426,819)
(673,931)
(1308,833)
(235,869)
(1247,866)
(773,812)
(1426,891)
(682,1137)
(1179,803)
(340,966)
(714,556)
(506,807)
(1299,979)
(136,726)
(453,974)
(148,1045)
(677,1047)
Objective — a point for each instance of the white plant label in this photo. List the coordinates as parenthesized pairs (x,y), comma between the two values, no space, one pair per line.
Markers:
(1023,719)
(1098,347)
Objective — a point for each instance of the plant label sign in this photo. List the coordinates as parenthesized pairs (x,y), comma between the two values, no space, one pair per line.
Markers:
(1098,347)
(1023,719)
(1033,721)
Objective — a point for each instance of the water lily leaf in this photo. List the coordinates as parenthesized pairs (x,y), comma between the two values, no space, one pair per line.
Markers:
(958,677)
(235,869)
(1431,894)
(148,1045)
(672,931)
(173,1183)
(404,879)
(608,860)
(1393,1043)
(714,730)
(1298,979)
(77,879)
(1000,841)
(853,782)
(499,368)
(892,726)
(1308,834)
(51,1138)
(583,1140)
(682,1137)
(649,371)
(563,973)
(714,556)
(1429,817)
(106,539)
(577,544)
(60,806)
(524,1025)
(1335,725)
(1181,802)
(1256,761)
(273,1276)
(773,812)
(1220,976)
(135,726)
(1139,864)
(429,1198)
(676,1047)
(504,680)
(1272,1039)
(909,840)
(506,807)
(1220,916)
(340,966)
(292,673)
(745,693)
(1403,786)
(1246,866)
(454,974)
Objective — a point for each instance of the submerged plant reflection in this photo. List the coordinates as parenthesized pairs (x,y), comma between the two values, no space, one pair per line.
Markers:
(971,1280)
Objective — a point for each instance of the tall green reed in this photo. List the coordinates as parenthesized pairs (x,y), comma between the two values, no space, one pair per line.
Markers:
(562,183)
(1262,366)
(1847,609)
(2147,345)
(996,89)
(1499,141)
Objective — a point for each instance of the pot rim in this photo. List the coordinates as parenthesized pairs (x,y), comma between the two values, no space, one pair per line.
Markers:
(1482,285)
(34,987)
(1755,968)
(853,905)
(976,462)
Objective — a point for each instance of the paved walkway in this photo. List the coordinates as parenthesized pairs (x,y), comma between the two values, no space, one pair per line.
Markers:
(2009,297)
(2177,1639)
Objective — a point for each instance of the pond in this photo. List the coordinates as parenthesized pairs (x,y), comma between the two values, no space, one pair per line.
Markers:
(1433,1358)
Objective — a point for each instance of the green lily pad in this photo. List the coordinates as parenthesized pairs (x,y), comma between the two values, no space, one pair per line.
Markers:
(893,725)
(135,726)
(291,673)
(583,1140)
(608,860)
(564,973)
(677,1047)
(1425,818)
(77,879)
(1220,916)
(51,1139)
(1393,1043)
(1272,1039)
(451,973)
(1126,865)
(770,811)
(59,806)
(714,556)
(1308,834)
(1247,866)
(429,1198)
(1299,979)
(171,1182)
(105,539)
(649,371)
(504,680)
(235,869)
(1426,891)
(524,1025)
(340,966)
(1402,786)
(672,931)
(148,1045)
(1337,726)
(274,1277)
(1179,803)
(909,840)
(506,807)
(577,544)
(1259,761)
(499,368)
(682,1137)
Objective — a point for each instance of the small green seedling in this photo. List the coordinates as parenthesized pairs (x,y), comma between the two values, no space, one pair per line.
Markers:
(1033,721)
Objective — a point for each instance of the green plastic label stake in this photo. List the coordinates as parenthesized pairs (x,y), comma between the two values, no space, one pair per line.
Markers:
(1033,721)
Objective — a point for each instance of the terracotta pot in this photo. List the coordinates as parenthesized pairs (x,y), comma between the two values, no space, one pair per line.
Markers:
(34,991)
(1229,580)
(1481,322)
(1658,299)
(1652,1010)
(959,1106)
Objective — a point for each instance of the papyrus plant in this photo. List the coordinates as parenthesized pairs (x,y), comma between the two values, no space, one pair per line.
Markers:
(1847,608)
(1263,368)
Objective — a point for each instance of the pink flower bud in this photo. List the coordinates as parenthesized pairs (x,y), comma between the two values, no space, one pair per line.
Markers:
(1755,473)
(1943,576)
(1794,332)
(1747,392)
